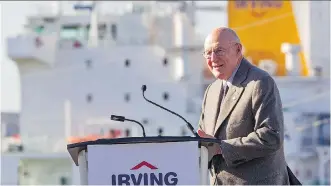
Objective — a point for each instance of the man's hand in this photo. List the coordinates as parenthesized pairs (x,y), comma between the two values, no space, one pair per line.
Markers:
(212,150)
(202,134)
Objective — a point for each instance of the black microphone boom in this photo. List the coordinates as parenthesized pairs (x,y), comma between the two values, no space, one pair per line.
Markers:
(143,88)
(122,118)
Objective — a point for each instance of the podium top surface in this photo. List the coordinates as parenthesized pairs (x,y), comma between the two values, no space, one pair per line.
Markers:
(75,148)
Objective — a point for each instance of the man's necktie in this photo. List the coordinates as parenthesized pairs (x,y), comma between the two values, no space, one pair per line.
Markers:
(225,90)
(222,97)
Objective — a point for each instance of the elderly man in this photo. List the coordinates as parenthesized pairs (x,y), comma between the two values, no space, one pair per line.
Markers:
(243,109)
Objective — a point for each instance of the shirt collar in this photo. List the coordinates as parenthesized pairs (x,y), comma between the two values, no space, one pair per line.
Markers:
(230,80)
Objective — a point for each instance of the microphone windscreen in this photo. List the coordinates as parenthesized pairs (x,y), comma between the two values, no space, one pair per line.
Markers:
(143,88)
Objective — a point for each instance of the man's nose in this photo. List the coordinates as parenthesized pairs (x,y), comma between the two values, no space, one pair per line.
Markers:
(212,56)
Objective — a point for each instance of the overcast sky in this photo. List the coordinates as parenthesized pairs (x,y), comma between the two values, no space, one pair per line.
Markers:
(13,16)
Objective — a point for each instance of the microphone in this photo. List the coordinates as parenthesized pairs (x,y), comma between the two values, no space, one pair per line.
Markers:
(122,119)
(143,88)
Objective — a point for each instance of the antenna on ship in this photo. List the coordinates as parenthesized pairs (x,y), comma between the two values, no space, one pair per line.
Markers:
(203,8)
(93,32)
(190,8)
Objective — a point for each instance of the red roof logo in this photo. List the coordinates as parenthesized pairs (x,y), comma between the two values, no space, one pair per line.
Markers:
(143,163)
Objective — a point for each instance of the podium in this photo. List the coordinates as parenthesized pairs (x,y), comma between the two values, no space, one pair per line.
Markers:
(143,161)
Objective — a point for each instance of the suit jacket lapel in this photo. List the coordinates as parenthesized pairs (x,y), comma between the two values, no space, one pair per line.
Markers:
(234,93)
(230,100)
(215,93)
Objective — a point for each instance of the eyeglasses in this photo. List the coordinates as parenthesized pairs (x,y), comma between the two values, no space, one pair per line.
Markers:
(218,52)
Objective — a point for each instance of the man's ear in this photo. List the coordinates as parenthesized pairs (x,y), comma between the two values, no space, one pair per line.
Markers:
(239,48)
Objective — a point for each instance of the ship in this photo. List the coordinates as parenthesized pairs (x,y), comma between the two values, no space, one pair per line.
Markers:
(79,68)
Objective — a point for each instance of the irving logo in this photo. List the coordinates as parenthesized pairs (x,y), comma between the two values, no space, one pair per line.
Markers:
(169,178)
(259,8)
(143,163)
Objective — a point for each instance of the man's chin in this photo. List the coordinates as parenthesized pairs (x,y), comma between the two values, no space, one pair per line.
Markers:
(218,75)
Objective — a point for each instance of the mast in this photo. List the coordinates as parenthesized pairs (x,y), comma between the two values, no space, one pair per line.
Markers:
(93,32)
(93,39)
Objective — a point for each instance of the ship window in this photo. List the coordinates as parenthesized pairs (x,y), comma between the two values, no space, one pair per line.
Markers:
(296,173)
(113,31)
(26,173)
(20,148)
(102,28)
(127,97)
(11,129)
(127,133)
(88,63)
(165,96)
(39,29)
(160,131)
(102,31)
(308,174)
(102,132)
(183,131)
(145,121)
(63,181)
(70,32)
(190,106)
(127,62)
(165,62)
(112,133)
(89,98)
(49,19)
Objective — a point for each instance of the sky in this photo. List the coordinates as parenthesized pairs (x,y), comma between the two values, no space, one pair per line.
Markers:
(13,17)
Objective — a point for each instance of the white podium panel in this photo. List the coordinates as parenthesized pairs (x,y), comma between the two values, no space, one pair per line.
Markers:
(170,163)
